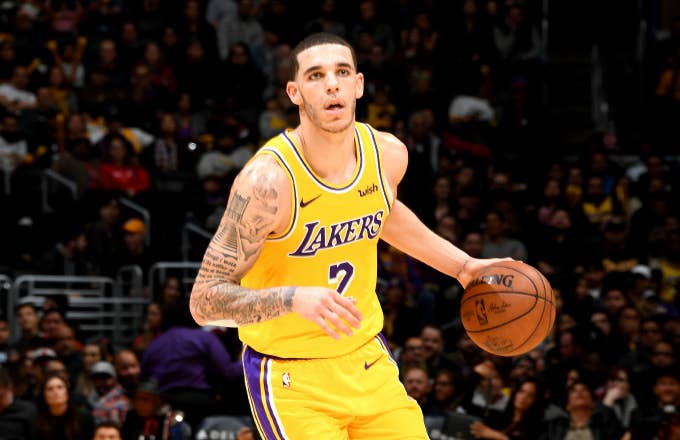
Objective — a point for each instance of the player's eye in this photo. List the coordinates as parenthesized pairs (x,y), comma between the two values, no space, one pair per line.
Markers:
(315,75)
(343,72)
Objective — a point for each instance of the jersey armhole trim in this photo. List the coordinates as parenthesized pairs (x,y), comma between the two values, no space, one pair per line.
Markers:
(379,165)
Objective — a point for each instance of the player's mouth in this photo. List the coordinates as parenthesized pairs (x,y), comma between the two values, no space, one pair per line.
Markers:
(334,107)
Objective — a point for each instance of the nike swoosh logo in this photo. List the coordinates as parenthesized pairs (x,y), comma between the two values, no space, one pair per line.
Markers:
(367,365)
(303,203)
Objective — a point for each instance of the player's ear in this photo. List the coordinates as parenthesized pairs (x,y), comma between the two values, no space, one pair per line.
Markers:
(293,93)
(359,92)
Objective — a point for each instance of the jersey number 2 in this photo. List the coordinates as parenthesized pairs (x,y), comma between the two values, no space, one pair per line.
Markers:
(344,270)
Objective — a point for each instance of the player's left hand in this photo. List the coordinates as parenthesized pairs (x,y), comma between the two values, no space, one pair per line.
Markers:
(473,265)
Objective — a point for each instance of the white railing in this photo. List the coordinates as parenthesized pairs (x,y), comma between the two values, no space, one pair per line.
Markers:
(130,281)
(50,177)
(192,229)
(6,290)
(76,288)
(185,270)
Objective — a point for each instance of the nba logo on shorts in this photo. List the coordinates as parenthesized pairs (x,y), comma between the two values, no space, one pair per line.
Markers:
(481,312)
(285,378)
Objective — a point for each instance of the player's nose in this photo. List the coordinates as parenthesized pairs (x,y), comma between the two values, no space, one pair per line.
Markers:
(332,82)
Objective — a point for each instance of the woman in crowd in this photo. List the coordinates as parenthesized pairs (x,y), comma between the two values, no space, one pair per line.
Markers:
(119,170)
(522,418)
(170,291)
(91,354)
(151,329)
(58,418)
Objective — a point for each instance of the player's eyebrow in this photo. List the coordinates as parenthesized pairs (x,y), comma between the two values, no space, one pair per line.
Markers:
(318,67)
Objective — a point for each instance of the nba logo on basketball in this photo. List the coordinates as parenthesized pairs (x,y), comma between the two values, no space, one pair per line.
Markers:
(481,312)
(285,378)
(508,308)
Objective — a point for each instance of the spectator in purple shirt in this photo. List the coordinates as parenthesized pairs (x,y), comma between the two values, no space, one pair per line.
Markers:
(190,365)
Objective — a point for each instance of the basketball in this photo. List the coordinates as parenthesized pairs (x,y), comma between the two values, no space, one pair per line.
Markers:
(508,308)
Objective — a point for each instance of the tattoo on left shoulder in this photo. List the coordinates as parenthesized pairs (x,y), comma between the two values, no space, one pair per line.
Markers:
(237,207)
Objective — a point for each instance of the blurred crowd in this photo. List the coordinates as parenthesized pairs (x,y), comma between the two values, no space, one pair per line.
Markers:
(160,104)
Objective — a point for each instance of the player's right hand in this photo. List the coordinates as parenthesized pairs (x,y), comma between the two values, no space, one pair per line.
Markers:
(473,265)
(327,309)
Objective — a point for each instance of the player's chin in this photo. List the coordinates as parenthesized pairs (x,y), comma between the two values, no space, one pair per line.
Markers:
(337,125)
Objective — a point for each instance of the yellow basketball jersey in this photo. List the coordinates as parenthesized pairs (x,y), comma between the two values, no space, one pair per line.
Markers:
(331,241)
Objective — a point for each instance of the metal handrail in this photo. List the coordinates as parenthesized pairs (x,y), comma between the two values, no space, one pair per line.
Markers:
(115,324)
(6,286)
(65,285)
(51,175)
(111,315)
(143,212)
(192,228)
(163,266)
(136,277)
(32,278)
(5,282)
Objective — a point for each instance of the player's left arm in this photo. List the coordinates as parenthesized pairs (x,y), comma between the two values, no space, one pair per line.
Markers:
(404,230)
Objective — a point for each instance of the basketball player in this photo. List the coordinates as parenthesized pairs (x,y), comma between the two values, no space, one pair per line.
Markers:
(293,263)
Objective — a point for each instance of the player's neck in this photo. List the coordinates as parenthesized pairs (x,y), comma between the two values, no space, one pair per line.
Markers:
(331,155)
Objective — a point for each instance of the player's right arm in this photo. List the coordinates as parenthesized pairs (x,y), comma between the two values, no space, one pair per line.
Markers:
(259,205)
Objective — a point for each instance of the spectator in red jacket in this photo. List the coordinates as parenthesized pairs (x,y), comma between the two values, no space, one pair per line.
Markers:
(119,170)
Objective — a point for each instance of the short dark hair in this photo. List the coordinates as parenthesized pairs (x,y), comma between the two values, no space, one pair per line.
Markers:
(21,305)
(107,424)
(317,39)
(670,372)
(53,310)
(586,382)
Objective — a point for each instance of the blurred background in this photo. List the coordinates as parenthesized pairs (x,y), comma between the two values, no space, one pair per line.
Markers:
(542,130)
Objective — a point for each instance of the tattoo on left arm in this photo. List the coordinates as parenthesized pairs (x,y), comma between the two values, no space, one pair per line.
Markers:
(250,216)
